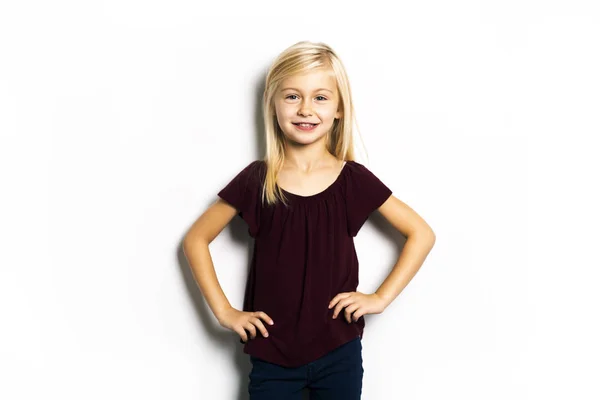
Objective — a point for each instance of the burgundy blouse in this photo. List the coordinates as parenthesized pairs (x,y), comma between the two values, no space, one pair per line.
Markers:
(303,256)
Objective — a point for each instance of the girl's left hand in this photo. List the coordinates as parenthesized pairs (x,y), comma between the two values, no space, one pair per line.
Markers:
(357,304)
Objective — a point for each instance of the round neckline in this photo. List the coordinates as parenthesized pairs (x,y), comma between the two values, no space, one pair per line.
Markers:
(322,192)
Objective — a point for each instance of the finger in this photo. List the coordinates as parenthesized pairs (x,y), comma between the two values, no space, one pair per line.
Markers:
(349,310)
(357,314)
(260,326)
(338,309)
(337,298)
(251,328)
(343,303)
(333,302)
(352,307)
(265,317)
(242,334)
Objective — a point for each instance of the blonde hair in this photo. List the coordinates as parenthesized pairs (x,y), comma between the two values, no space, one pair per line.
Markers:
(301,58)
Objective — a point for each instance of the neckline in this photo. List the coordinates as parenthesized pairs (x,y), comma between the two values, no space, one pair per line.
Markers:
(322,192)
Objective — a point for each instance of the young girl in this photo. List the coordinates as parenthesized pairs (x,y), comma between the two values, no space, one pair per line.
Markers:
(302,320)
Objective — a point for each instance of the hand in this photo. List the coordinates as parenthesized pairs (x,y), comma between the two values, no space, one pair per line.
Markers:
(237,321)
(357,304)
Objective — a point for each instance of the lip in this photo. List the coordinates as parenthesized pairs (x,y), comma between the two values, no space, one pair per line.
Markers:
(305,122)
(312,128)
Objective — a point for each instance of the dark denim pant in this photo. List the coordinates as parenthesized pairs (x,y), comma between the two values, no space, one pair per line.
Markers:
(335,376)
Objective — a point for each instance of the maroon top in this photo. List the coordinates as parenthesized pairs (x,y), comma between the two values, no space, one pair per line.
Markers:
(303,256)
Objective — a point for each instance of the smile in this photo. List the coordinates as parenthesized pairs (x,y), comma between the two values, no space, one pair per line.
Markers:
(306,127)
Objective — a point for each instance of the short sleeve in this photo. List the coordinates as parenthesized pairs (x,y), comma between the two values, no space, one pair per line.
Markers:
(365,193)
(242,192)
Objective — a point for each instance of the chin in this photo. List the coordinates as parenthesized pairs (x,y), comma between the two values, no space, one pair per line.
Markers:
(304,139)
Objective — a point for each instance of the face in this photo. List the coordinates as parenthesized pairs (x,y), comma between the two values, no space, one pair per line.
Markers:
(312,97)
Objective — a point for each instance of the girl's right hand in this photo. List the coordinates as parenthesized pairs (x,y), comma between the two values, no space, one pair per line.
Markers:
(237,320)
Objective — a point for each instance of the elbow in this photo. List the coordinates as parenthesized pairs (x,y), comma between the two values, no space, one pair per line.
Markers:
(430,234)
(191,241)
(425,235)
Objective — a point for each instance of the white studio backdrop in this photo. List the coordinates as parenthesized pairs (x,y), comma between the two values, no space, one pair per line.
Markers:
(120,122)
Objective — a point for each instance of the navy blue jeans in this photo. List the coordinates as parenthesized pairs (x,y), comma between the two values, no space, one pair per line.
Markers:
(335,376)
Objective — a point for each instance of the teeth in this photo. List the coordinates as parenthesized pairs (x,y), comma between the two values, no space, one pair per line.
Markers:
(307,125)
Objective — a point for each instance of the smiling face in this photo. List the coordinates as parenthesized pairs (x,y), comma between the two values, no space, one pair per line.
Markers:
(311,97)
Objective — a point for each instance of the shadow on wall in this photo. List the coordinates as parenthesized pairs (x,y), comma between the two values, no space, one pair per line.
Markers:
(228,341)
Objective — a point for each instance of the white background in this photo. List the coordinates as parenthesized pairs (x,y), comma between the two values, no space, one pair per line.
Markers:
(121,120)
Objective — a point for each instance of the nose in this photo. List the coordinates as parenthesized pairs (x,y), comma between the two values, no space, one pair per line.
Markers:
(305,108)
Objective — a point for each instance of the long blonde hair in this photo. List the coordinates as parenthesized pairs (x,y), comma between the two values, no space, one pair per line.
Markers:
(301,58)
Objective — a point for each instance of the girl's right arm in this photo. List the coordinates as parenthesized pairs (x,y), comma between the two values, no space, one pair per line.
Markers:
(195,247)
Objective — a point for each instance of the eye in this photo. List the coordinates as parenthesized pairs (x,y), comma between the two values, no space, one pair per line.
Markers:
(287,97)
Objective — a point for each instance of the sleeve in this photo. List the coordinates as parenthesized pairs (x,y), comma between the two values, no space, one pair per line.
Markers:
(242,193)
(364,194)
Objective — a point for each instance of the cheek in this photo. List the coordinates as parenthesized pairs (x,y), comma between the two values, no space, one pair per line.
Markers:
(284,112)
(328,114)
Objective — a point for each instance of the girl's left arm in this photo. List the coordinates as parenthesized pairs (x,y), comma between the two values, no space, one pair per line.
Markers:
(420,241)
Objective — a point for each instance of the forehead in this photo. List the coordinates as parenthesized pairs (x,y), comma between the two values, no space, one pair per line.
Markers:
(311,80)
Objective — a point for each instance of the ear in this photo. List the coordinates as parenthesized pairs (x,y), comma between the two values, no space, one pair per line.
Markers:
(338,114)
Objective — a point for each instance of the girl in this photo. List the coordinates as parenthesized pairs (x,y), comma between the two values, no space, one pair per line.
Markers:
(303,204)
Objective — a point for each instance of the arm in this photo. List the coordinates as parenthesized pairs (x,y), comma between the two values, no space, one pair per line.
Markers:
(420,241)
(418,245)
(195,247)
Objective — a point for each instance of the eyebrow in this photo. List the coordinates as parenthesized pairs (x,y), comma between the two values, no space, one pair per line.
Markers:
(316,90)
